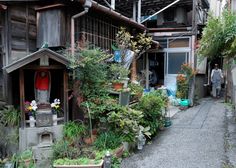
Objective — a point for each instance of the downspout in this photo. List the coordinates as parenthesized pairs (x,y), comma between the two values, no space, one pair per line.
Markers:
(87,5)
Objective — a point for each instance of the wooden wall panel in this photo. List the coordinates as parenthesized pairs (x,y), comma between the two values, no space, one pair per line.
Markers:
(51,28)
(22,30)
(18,29)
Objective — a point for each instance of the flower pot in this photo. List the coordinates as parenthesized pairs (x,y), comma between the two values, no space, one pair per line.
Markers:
(25,163)
(119,151)
(54,119)
(117,86)
(100,165)
(125,82)
(32,121)
(90,140)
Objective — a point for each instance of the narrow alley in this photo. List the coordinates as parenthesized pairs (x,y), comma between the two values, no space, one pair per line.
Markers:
(200,137)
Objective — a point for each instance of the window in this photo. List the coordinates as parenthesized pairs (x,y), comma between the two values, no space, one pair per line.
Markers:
(175,60)
(178,43)
(169,15)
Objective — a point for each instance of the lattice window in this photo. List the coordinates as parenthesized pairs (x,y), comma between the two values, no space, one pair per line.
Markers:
(95,32)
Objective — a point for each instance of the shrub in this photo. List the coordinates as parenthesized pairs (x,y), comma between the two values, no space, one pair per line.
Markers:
(126,122)
(152,105)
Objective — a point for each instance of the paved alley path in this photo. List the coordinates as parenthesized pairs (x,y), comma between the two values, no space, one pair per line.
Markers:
(200,137)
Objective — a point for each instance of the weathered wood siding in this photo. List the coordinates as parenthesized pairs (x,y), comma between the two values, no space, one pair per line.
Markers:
(1,56)
(22,31)
(51,28)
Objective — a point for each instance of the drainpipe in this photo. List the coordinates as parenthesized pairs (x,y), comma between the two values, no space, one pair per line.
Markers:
(87,5)
(134,10)
(113,2)
(139,11)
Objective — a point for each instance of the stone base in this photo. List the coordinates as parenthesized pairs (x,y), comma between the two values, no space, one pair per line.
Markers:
(42,156)
(29,137)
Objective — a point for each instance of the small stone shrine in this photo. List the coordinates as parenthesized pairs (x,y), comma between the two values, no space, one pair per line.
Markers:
(40,77)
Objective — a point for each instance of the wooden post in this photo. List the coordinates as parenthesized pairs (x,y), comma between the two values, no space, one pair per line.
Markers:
(134,69)
(147,72)
(22,97)
(65,85)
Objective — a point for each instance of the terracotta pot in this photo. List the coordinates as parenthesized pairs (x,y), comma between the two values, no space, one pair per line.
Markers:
(119,151)
(26,162)
(95,132)
(90,140)
(117,86)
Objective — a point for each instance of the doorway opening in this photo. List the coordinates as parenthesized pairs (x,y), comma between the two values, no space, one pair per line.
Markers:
(156,68)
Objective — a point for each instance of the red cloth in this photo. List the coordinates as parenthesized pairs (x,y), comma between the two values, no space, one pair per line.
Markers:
(42,82)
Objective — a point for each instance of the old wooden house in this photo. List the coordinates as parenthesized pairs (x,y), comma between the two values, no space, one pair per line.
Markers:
(176,25)
(31,33)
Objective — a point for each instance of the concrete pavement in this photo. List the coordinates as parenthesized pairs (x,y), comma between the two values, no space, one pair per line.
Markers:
(201,137)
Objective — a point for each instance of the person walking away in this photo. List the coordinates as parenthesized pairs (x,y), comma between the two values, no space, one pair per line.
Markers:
(216,78)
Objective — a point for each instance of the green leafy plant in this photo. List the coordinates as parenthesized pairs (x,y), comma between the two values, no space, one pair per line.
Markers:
(64,149)
(79,161)
(116,162)
(126,122)
(218,39)
(136,90)
(184,80)
(73,130)
(151,105)
(118,72)
(25,159)
(10,116)
(108,140)
(182,86)
(95,158)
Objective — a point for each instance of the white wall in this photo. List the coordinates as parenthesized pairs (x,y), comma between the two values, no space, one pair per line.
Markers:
(233,5)
(216,6)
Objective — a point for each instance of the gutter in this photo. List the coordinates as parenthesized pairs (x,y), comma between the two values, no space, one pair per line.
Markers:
(116,15)
(86,4)
(72,36)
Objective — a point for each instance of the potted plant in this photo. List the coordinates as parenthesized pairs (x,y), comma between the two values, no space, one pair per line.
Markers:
(81,162)
(55,110)
(24,159)
(67,155)
(30,108)
(119,76)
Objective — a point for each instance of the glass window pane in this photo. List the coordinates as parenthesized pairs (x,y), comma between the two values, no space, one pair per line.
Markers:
(175,60)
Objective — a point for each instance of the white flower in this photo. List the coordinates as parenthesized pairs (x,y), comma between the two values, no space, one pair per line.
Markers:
(34,108)
(33,103)
(57,101)
(53,105)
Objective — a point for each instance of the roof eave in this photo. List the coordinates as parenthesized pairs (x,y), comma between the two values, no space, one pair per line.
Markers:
(101,8)
(34,56)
